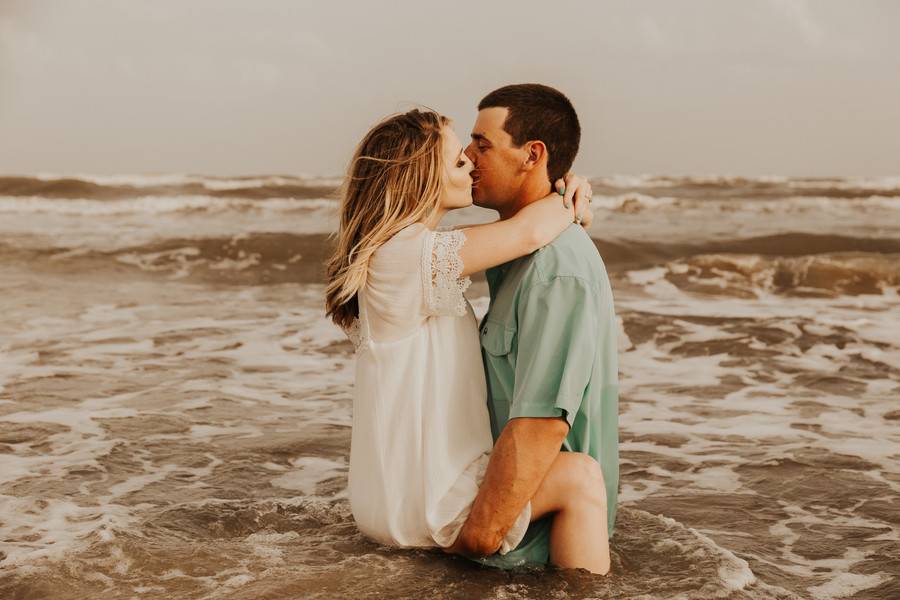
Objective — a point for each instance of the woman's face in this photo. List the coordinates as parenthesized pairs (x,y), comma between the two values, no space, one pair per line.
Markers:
(457,189)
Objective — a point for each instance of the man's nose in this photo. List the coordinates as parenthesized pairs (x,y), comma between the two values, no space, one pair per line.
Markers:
(470,152)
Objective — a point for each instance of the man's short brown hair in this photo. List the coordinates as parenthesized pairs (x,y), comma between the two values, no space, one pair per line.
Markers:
(539,112)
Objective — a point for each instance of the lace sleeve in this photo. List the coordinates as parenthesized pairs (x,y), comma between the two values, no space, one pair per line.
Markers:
(355,334)
(442,273)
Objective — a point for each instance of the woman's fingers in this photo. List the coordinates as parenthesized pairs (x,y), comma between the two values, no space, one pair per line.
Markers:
(561,189)
(587,217)
(573,182)
(581,194)
(581,204)
(560,186)
(570,183)
(575,191)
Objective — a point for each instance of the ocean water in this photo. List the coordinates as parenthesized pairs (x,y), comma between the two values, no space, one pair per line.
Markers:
(175,409)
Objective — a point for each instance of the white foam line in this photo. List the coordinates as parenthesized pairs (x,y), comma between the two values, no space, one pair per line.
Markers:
(844,585)
(139,482)
(733,571)
(308,472)
(155,205)
(12,363)
(209,181)
(60,526)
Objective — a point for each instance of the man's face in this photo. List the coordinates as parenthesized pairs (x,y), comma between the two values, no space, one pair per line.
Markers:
(498,174)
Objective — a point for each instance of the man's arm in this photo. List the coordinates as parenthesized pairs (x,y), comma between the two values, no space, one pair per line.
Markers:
(557,345)
(519,462)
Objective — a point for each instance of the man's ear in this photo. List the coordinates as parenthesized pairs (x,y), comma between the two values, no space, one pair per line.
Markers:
(536,154)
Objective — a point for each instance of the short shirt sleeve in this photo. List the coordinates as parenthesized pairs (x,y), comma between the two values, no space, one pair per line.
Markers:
(442,281)
(556,348)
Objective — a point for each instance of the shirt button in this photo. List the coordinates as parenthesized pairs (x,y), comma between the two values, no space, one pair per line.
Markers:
(484,331)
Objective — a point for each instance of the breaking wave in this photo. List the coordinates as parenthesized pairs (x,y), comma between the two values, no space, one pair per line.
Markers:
(794,263)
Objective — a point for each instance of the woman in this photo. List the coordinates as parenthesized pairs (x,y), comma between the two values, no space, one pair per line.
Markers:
(421,435)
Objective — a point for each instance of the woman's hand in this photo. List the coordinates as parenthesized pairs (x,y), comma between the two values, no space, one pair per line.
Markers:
(578,188)
(587,217)
(546,221)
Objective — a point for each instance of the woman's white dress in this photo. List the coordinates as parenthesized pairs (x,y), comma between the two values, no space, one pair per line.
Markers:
(421,435)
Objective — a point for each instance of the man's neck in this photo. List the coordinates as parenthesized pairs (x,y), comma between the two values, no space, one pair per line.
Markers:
(531,191)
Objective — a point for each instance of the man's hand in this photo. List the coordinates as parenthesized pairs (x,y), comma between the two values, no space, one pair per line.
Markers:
(519,462)
(456,547)
(469,543)
(465,545)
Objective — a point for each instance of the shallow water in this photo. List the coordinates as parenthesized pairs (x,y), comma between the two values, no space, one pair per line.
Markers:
(175,409)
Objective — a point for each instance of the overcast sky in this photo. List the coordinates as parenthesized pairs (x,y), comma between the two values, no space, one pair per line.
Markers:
(749,87)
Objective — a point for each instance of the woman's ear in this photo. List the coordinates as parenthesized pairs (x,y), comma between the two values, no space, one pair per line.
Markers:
(536,152)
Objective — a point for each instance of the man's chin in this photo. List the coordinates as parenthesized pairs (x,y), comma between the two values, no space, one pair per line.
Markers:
(478,198)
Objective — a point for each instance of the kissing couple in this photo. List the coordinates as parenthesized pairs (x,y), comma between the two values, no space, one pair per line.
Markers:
(497,442)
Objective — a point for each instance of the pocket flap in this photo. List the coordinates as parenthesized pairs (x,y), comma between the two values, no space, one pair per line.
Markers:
(496,339)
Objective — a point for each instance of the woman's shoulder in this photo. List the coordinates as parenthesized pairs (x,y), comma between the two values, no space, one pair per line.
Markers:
(400,255)
(404,240)
(410,232)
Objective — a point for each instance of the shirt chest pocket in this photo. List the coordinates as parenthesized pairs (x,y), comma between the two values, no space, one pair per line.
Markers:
(497,338)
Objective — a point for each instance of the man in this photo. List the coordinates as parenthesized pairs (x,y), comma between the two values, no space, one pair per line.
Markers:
(549,337)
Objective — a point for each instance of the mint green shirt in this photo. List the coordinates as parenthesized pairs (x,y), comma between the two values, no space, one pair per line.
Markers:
(549,343)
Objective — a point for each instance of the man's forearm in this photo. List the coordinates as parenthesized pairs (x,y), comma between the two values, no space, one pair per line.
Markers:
(519,462)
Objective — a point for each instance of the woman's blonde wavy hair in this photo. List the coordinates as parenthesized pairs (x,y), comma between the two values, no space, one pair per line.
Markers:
(393,181)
